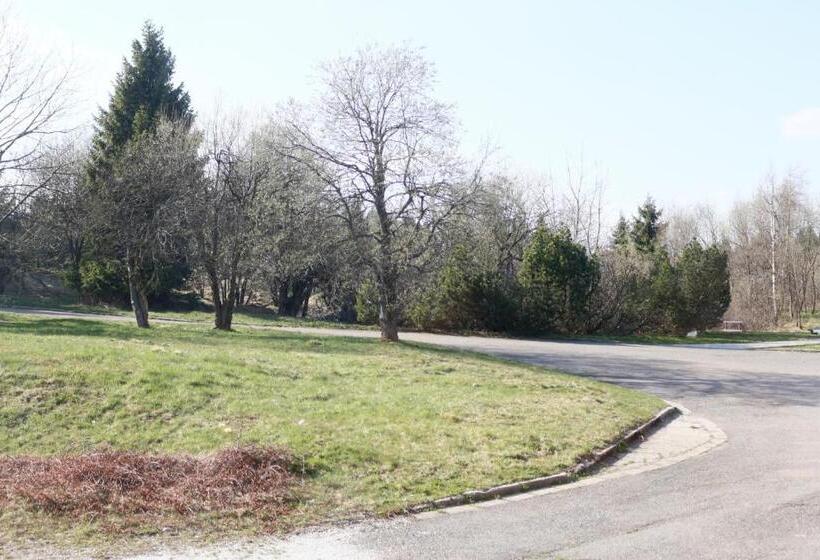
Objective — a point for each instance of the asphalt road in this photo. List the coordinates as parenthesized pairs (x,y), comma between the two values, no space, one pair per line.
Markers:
(756,496)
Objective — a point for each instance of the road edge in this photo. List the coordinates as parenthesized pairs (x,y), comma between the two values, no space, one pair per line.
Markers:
(597,460)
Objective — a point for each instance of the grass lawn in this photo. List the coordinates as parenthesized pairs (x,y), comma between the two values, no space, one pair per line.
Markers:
(376,427)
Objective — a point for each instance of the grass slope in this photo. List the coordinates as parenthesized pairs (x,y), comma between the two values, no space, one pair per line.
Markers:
(376,426)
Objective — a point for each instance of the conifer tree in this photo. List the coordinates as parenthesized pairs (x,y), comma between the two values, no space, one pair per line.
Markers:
(144,93)
(647,226)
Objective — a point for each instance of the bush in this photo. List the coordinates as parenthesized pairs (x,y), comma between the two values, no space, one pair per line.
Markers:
(647,292)
(703,286)
(367,303)
(557,280)
(467,298)
(103,281)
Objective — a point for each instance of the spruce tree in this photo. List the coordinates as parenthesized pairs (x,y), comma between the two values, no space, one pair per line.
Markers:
(620,236)
(646,228)
(144,93)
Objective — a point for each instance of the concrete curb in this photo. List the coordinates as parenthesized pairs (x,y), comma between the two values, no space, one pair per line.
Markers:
(597,460)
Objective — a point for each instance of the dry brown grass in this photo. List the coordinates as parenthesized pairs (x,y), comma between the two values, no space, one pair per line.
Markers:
(126,489)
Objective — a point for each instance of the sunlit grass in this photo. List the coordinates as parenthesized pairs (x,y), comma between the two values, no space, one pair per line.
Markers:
(376,426)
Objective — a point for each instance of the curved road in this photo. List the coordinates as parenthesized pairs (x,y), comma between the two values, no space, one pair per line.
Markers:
(757,496)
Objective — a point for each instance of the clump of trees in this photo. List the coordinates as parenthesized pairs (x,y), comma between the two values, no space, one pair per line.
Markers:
(555,285)
(358,205)
(775,241)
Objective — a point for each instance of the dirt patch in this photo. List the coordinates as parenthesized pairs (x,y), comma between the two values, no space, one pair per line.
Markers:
(127,489)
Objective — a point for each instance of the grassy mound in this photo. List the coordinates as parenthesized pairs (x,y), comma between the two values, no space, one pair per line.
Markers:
(376,427)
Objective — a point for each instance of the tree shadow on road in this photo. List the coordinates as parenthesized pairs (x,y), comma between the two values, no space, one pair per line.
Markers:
(678,379)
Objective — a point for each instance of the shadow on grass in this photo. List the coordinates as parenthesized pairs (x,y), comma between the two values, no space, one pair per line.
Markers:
(280,341)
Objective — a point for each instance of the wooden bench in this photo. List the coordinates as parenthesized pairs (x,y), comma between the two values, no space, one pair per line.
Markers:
(733,326)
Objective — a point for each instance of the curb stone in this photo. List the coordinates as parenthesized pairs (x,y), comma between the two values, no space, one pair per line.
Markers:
(596,460)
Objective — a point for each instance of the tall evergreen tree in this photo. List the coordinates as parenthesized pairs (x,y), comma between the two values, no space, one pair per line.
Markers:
(144,96)
(144,93)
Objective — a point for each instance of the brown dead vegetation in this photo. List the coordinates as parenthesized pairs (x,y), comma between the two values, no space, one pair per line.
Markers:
(125,489)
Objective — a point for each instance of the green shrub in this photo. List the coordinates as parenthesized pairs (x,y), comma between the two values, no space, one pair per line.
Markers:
(703,286)
(103,281)
(367,303)
(557,279)
(464,297)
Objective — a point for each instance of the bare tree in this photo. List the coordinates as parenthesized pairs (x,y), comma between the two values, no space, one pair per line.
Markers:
(575,203)
(775,250)
(226,215)
(387,151)
(33,101)
(59,211)
(500,224)
(699,223)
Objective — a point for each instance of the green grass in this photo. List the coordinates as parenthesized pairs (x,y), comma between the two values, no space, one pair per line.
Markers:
(56,303)
(377,426)
(806,348)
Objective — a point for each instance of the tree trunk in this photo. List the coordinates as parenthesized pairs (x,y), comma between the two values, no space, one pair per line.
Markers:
(293,295)
(388,324)
(224,315)
(773,263)
(139,302)
(386,270)
(388,308)
(223,305)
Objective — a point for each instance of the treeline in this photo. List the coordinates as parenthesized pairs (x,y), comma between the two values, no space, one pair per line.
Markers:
(358,204)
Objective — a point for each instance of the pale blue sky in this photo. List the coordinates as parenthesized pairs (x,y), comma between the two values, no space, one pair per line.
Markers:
(689,101)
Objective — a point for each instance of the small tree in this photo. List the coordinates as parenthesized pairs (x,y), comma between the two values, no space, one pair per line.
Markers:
(703,283)
(621,234)
(142,210)
(557,278)
(647,226)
